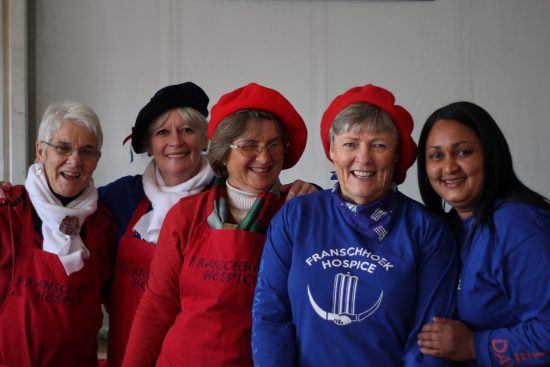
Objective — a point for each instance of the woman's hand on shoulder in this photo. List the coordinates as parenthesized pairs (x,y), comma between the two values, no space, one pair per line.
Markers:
(5,186)
(298,188)
(447,338)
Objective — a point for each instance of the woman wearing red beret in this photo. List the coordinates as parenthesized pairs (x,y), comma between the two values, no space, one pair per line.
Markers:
(350,275)
(196,310)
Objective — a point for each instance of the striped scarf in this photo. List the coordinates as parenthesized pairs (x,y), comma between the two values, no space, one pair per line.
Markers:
(258,217)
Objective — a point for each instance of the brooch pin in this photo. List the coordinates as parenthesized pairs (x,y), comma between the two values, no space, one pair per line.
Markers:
(69,225)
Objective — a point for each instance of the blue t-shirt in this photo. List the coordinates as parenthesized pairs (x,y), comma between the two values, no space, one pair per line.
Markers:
(504,286)
(328,295)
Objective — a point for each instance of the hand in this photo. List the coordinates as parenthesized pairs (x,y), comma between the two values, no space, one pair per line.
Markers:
(5,186)
(298,188)
(447,338)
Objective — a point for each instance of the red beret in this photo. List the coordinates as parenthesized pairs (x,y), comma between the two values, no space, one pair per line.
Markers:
(257,97)
(384,100)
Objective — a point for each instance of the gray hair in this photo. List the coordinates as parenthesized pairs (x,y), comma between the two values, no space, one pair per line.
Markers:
(229,129)
(190,116)
(362,117)
(58,112)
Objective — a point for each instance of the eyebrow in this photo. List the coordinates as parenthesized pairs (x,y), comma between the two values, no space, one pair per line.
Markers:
(61,142)
(248,141)
(454,145)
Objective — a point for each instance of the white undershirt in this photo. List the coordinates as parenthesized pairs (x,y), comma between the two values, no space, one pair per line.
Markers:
(239,202)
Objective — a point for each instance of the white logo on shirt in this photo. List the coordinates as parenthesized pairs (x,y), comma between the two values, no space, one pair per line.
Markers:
(343,302)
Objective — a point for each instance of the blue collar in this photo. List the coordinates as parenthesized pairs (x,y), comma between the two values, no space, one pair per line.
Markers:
(372,219)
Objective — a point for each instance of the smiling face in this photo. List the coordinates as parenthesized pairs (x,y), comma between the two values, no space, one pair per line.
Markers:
(454,164)
(257,173)
(176,147)
(68,175)
(364,163)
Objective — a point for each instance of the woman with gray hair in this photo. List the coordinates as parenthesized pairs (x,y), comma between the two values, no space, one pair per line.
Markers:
(350,275)
(196,310)
(56,247)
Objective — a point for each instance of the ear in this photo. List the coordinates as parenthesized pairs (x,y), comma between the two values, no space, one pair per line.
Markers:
(40,151)
(331,152)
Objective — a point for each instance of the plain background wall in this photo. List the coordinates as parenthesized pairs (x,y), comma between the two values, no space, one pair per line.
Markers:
(114,54)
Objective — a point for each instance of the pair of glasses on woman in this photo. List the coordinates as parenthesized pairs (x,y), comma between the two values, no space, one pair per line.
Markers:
(275,148)
(85,153)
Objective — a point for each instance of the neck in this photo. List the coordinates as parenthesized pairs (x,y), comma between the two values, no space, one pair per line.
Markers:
(239,202)
(64,199)
(464,214)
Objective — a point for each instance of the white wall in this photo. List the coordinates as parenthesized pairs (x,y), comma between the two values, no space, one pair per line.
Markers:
(114,54)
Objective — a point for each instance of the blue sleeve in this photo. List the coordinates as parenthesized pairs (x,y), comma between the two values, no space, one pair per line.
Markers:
(525,278)
(273,335)
(122,197)
(436,289)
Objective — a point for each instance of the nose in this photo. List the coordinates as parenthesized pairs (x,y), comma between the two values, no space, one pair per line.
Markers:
(175,138)
(262,154)
(449,164)
(74,157)
(363,154)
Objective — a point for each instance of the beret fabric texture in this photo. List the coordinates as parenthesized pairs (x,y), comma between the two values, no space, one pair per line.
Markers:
(384,100)
(186,94)
(256,97)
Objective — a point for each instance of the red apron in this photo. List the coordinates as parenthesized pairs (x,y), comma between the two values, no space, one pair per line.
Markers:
(131,273)
(217,282)
(49,318)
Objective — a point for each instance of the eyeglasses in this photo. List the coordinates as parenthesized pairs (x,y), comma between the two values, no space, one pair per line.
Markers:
(86,153)
(275,148)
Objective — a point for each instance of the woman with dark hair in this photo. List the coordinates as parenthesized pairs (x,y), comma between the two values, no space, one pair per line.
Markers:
(503,229)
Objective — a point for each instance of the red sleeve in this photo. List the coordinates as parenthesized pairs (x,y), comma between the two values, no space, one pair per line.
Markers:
(10,235)
(6,249)
(160,303)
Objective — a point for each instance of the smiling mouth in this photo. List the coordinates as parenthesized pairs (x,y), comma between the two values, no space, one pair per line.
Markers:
(69,175)
(177,155)
(453,182)
(363,174)
(259,169)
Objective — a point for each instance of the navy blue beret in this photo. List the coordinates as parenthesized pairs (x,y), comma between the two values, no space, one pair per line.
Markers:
(186,94)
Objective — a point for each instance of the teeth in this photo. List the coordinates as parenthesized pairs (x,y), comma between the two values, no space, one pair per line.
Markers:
(180,155)
(363,173)
(259,170)
(71,174)
(453,181)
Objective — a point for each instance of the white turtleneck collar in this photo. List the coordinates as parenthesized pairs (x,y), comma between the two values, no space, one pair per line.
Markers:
(239,202)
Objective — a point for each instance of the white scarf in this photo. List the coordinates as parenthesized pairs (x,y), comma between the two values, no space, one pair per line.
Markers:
(163,197)
(69,248)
